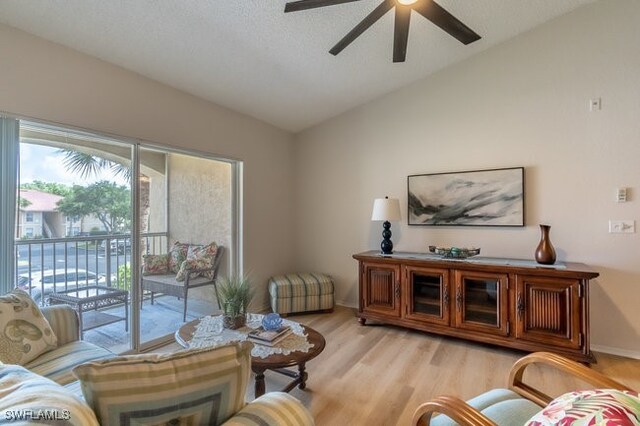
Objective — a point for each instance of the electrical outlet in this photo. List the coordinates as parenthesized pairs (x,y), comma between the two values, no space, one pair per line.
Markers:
(595,104)
(621,195)
(622,226)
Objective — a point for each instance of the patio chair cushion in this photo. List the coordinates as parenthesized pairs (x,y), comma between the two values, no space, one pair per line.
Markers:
(198,257)
(25,333)
(155,264)
(57,364)
(593,406)
(205,386)
(27,398)
(177,255)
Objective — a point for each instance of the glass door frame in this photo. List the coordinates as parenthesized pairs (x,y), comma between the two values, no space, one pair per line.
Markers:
(235,252)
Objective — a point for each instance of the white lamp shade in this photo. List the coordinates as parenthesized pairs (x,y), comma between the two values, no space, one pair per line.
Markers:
(386,209)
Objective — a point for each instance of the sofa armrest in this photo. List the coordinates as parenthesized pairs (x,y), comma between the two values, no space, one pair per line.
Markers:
(272,409)
(64,322)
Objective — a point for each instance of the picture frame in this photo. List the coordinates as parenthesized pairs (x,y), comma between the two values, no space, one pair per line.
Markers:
(493,197)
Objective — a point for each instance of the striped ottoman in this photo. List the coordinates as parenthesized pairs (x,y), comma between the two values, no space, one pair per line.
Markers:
(301,293)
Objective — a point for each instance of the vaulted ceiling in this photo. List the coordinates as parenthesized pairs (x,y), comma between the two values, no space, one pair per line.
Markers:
(251,57)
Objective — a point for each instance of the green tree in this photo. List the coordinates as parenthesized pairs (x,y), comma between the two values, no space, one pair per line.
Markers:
(49,187)
(88,165)
(23,202)
(109,202)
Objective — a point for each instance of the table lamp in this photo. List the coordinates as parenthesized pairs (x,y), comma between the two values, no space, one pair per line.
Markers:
(386,209)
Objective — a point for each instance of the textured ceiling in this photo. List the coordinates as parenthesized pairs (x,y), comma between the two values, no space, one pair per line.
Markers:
(249,56)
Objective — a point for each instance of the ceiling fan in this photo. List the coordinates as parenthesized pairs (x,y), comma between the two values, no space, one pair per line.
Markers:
(427,8)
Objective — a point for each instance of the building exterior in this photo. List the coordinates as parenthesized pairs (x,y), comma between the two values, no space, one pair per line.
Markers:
(38,217)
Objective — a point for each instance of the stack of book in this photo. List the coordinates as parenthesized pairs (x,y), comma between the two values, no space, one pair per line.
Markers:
(268,337)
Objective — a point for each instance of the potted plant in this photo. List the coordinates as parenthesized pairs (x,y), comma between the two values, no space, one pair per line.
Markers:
(235,294)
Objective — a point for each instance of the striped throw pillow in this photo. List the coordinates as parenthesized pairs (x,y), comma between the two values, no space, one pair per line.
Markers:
(190,387)
(27,398)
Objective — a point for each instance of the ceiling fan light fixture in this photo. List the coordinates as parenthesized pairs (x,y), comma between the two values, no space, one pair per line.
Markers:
(429,9)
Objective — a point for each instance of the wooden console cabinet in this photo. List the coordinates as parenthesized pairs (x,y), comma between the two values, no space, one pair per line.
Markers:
(505,302)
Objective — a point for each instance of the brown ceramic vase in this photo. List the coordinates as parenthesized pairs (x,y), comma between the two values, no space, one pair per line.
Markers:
(545,253)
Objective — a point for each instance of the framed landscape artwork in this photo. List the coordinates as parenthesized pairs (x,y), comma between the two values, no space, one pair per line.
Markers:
(472,198)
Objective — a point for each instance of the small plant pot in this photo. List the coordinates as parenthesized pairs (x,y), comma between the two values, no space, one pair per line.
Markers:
(234,323)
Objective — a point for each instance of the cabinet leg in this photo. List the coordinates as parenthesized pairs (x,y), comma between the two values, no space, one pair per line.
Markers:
(362,321)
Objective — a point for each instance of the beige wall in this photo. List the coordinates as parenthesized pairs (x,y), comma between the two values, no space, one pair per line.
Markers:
(43,80)
(523,103)
(200,206)
(199,200)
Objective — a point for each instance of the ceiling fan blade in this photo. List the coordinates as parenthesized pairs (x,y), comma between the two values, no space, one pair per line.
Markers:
(452,25)
(401,33)
(371,18)
(312,4)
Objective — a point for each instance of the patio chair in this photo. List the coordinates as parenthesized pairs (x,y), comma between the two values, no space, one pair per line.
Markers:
(513,406)
(167,284)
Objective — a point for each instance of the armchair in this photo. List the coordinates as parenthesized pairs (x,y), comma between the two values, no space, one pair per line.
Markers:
(167,284)
(513,406)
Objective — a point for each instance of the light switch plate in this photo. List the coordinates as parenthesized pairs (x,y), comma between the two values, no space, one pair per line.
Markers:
(622,226)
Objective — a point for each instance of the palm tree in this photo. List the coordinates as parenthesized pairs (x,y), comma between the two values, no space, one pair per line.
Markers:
(88,165)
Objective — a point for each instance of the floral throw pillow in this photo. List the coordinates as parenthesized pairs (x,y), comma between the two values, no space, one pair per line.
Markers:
(198,257)
(25,333)
(602,407)
(155,264)
(177,255)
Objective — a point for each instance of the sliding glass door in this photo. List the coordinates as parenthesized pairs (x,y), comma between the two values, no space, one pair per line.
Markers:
(90,209)
(186,202)
(74,225)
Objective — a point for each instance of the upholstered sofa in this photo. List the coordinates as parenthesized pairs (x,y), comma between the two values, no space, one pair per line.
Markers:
(47,386)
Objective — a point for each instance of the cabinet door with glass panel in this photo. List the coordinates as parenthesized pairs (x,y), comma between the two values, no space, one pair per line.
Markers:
(481,302)
(428,295)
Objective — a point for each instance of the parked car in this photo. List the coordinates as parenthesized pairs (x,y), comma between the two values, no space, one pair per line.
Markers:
(117,246)
(58,280)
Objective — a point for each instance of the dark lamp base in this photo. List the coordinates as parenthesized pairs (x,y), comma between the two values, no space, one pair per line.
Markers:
(386,245)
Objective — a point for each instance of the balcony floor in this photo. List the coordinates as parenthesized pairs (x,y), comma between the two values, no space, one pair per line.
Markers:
(157,320)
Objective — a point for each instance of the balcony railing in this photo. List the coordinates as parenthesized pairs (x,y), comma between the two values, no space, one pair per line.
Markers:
(49,265)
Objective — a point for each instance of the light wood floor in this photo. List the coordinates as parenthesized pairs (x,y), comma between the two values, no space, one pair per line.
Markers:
(378,375)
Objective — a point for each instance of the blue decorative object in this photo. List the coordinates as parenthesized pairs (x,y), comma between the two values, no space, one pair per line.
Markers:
(271,322)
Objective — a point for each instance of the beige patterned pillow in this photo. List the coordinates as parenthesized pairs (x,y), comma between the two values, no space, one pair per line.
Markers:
(177,255)
(25,333)
(198,257)
(155,264)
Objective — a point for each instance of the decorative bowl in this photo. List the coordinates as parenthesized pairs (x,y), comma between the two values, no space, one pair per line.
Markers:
(271,322)
(454,252)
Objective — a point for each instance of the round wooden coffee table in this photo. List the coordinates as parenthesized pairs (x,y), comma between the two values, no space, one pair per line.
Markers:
(278,362)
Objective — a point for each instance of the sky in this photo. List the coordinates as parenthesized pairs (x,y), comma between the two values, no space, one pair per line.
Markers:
(46,164)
